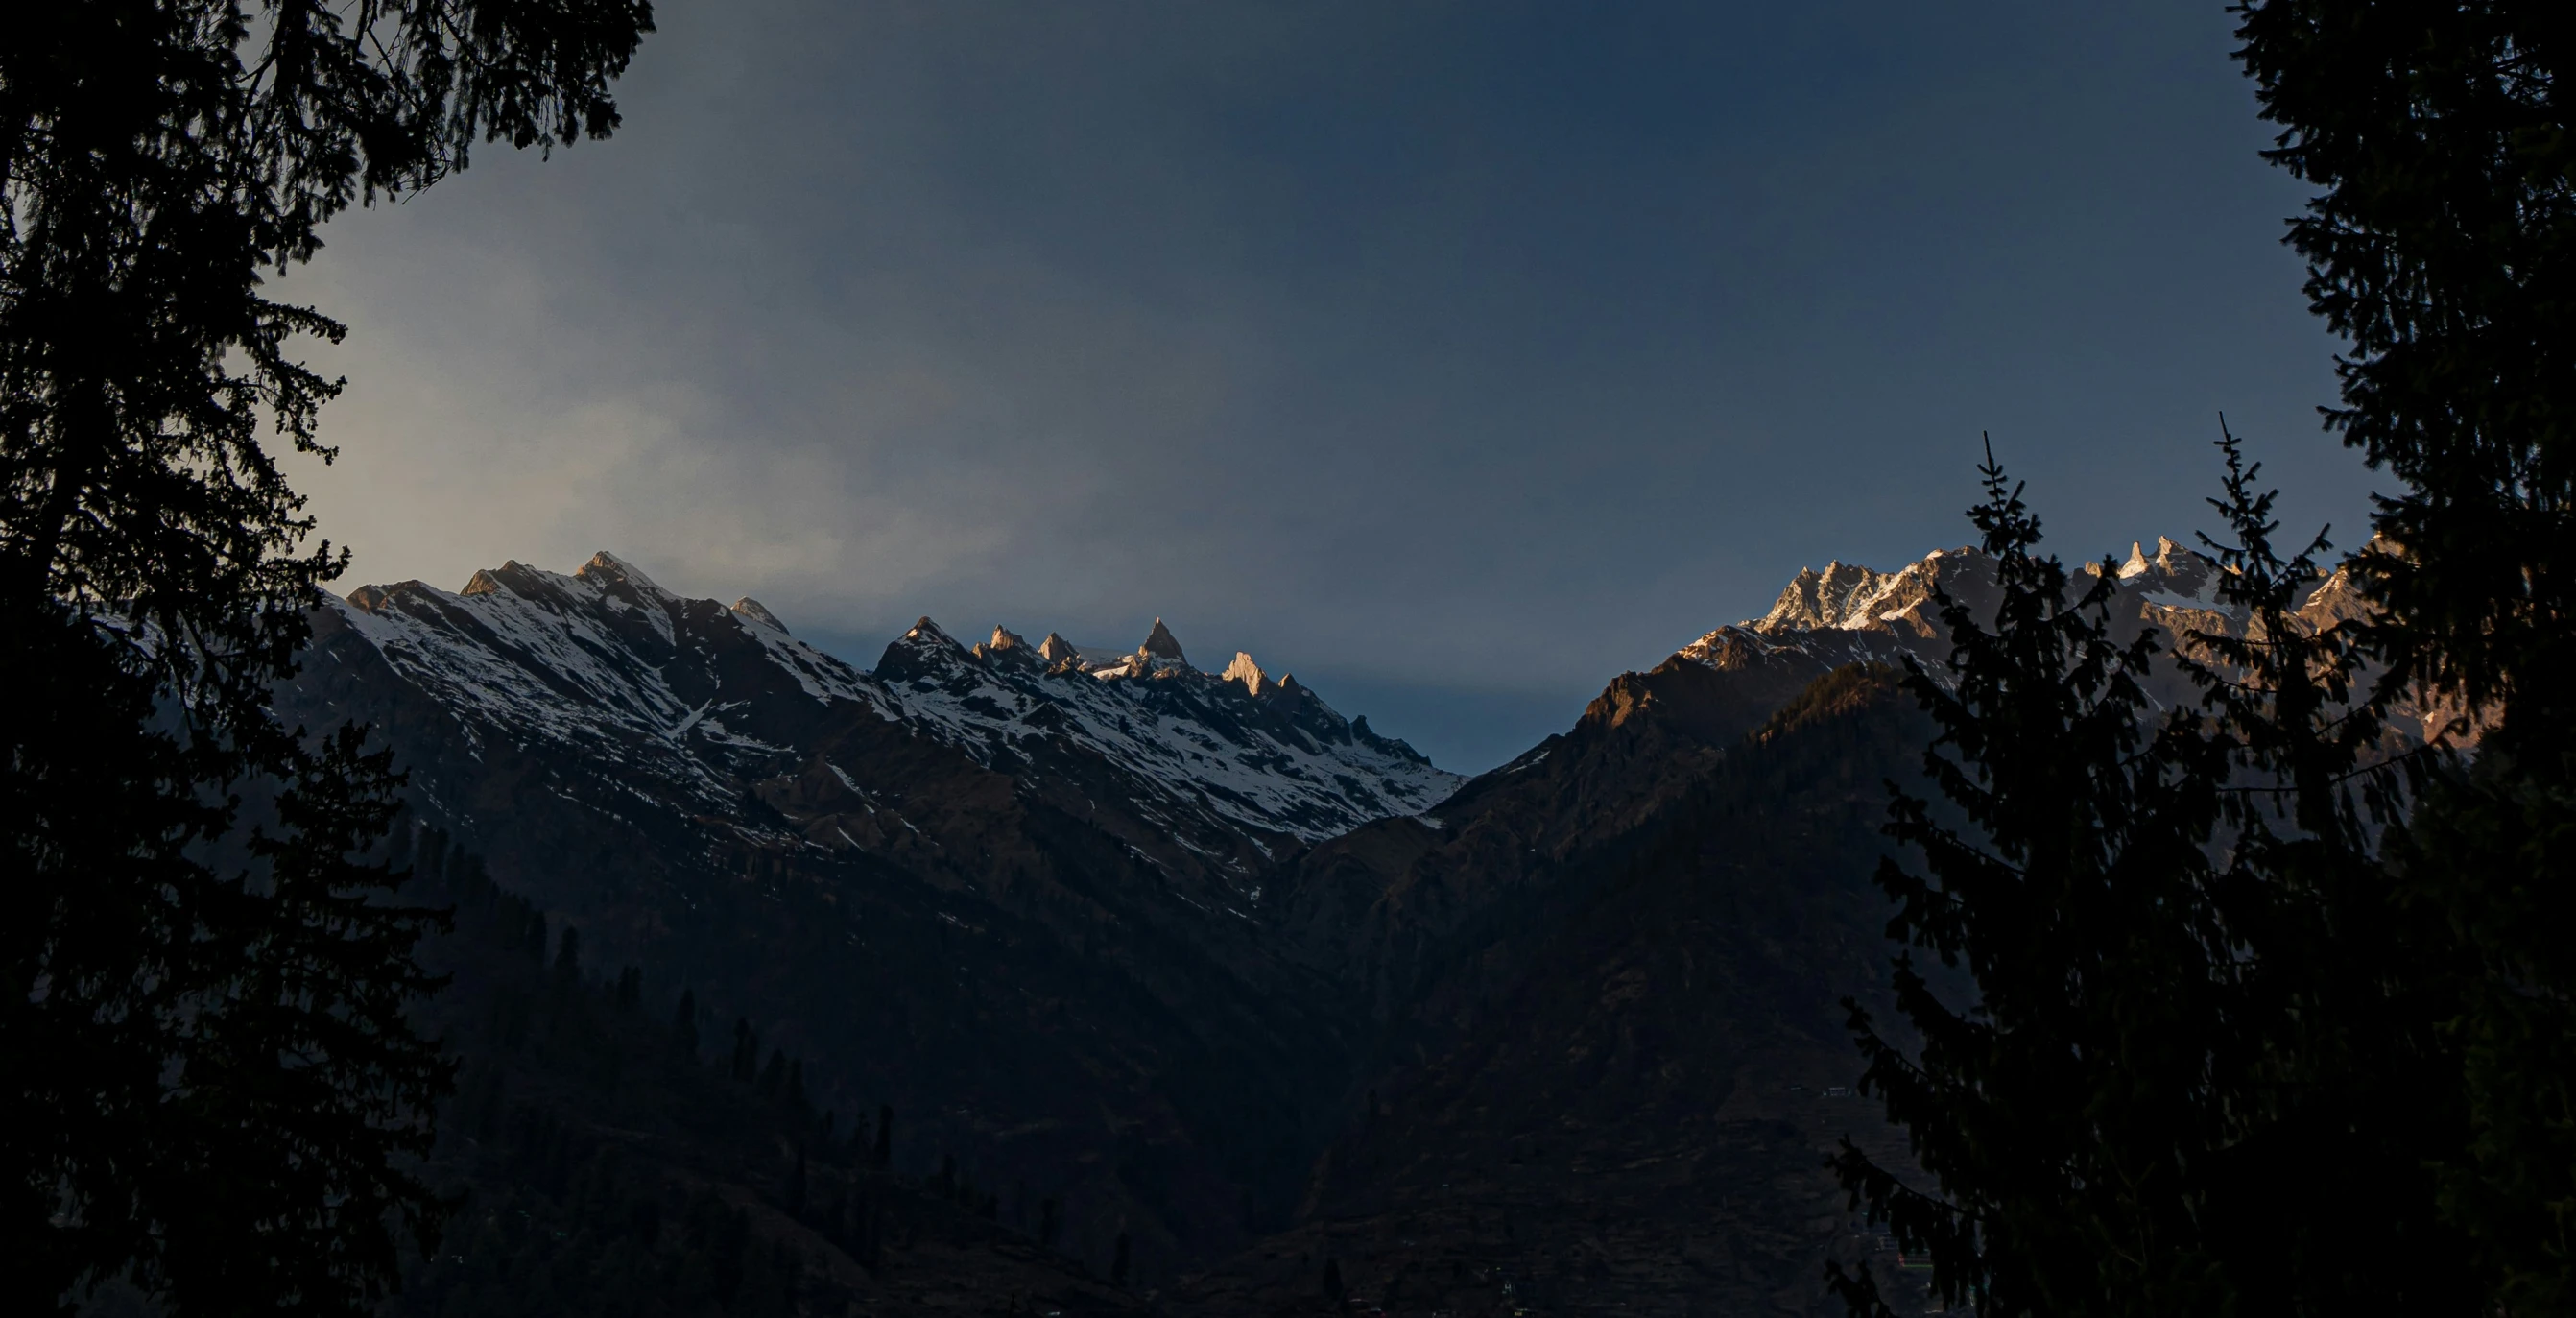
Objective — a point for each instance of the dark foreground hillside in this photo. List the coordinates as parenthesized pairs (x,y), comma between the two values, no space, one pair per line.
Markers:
(1637,1119)
(613,1159)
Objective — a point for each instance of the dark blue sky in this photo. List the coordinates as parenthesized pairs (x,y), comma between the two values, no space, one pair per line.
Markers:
(1453,356)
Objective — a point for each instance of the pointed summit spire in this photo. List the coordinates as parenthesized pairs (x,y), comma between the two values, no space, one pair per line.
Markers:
(1055,649)
(1005,642)
(1160,644)
(1247,672)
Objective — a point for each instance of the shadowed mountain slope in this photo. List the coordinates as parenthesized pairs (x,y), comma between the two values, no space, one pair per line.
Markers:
(1628,1097)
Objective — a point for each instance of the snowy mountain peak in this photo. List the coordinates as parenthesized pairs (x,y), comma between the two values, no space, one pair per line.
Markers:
(486,581)
(2175,577)
(1849,597)
(1161,645)
(1055,649)
(1840,596)
(750,610)
(1849,613)
(923,652)
(611,573)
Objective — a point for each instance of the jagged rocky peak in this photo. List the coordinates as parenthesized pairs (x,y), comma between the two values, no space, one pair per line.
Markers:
(1848,612)
(488,581)
(1831,598)
(1849,597)
(1055,649)
(1005,643)
(605,576)
(750,610)
(617,578)
(1247,672)
(2174,570)
(609,567)
(1159,644)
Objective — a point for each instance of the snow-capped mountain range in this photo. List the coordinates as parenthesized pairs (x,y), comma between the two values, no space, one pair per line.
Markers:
(700,697)
(1849,614)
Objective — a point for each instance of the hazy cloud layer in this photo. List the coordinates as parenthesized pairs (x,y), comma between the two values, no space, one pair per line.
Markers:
(1453,356)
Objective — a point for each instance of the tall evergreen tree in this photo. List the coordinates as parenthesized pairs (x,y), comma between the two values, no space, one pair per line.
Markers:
(2198,1069)
(2061,1110)
(2345,994)
(205,1072)
(2441,246)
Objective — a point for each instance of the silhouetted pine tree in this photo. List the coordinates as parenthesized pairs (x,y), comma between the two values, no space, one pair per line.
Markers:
(2441,246)
(2192,1076)
(2062,1112)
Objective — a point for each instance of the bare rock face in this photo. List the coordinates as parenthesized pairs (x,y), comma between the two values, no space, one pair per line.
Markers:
(1160,645)
(1004,642)
(1056,650)
(1247,672)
